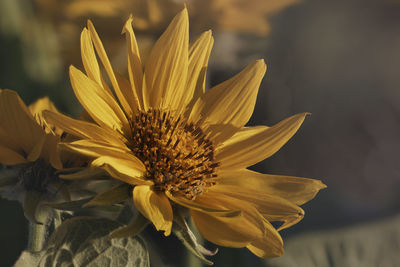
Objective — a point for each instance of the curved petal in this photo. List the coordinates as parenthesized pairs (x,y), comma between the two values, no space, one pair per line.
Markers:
(234,232)
(101,106)
(126,168)
(134,63)
(101,52)
(297,190)
(273,208)
(248,146)
(167,66)
(231,102)
(17,121)
(154,206)
(271,245)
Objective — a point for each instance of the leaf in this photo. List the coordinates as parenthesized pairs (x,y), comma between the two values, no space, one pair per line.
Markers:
(111,196)
(83,241)
(183,232)
(68,205)
(134,228)
(79,205)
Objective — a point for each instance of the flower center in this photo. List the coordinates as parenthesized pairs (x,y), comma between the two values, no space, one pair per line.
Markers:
(177,155)
(37,175)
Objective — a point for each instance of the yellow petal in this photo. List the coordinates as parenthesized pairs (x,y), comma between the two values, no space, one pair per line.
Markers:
(89,59)
(248,146)
(38,108)
(231,102)
(271,245)
(107,65)
(51,151)
(134,63)
(273,208)
(126,168)
(17,121)
(8,141)
(126,89)
(84,130)
(218,133)
(199,54)
(234,232)
(37,149)
(111,196)
(167,66)
(10,157)
(295,189)
(203,207)
(101,106)
(93,148)
(41,105)
(154,206)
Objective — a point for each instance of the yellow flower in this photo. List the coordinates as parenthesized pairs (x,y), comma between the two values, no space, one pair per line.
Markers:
(24,135)
(28,146)
(179,146)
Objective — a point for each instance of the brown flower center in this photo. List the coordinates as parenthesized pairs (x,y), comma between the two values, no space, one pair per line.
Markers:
(177,155)
(37,176)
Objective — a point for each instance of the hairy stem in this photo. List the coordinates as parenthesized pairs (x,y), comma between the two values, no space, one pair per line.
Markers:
(38,232)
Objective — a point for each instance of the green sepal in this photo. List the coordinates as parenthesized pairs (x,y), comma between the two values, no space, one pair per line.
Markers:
(181,229)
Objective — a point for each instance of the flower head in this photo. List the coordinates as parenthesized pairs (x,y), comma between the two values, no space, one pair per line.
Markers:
(181,147)
(28,151)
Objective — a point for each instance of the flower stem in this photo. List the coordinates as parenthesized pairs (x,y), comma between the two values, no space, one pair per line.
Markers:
(38,232)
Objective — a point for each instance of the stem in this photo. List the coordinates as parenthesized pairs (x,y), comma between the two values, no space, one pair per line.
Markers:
(38,233)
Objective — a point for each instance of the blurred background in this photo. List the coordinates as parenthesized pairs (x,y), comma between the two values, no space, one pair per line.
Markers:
(338,59)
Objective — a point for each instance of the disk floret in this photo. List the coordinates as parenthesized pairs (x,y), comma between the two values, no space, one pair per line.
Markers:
(177,155)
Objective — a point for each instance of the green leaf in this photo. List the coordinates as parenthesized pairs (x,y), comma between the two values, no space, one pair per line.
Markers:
(183,232)
(83,241)
(68,205)
(111,196)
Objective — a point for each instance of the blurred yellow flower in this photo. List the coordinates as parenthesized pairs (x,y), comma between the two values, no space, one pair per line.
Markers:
(179,146)
(28,146)
(24,135)
(249,16)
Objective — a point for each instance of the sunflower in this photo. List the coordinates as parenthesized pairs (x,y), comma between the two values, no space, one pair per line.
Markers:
(28,149)
(180,147)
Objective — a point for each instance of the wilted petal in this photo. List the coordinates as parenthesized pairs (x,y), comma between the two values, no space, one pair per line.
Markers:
(135,70)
